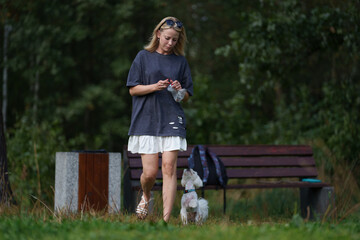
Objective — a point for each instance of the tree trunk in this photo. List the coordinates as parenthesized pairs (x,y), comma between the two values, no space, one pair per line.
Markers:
(7,30)
(6,196)
(5,189)
(36,89)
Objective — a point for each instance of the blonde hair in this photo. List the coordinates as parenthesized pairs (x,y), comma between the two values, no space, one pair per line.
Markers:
(179,48)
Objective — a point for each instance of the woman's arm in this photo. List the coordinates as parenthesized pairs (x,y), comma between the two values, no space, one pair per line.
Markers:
(140,90)
(186,97)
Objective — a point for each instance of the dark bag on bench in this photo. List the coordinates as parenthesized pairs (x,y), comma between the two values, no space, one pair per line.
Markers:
(209,167)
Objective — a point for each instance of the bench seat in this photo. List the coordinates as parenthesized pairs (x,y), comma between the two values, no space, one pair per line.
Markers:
(269,166)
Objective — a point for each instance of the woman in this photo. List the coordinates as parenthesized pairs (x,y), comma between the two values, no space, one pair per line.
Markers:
(158,122)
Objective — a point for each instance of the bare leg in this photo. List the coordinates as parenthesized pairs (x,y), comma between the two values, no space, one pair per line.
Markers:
(169,161)
(150,163)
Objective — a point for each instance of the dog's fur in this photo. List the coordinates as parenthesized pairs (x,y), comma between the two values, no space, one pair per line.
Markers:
(190,204)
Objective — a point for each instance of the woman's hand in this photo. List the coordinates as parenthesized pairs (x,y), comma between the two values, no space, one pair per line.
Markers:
(162,84)
(176,85)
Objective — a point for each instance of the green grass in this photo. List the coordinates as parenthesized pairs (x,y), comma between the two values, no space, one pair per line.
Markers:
(263,215)
(27,226)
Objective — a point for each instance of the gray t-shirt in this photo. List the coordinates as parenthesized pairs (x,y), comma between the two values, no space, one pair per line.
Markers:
(157,113)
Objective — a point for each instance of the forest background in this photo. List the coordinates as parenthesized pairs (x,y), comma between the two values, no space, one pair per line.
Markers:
(264,72)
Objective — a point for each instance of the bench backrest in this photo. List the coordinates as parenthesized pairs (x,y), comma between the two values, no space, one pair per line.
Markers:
(247,161)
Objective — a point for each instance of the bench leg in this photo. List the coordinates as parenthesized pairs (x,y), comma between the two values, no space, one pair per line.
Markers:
(224,189)
(129,199)
(129,196)
(319,201)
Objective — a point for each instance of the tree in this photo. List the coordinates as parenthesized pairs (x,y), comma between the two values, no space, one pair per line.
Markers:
(6,196)
(265,72)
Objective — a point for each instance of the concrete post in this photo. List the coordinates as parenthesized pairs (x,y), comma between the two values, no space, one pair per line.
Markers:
(67,182)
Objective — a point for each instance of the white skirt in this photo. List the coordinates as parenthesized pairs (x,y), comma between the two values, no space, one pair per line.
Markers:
(154,144)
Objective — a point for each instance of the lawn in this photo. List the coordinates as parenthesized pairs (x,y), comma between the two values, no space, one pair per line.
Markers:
(37,227)
(267,215)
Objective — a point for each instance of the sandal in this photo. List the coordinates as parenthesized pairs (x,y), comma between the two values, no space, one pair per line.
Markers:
(142,208)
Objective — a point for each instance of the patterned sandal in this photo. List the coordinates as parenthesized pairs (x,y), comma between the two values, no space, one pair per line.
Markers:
(142,208)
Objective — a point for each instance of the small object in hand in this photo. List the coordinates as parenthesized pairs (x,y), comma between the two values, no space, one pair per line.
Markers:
(177,95)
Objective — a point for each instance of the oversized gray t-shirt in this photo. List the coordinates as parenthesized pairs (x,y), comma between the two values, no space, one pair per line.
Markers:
(157,113)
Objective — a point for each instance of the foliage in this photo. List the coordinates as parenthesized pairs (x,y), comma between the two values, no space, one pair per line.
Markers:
(31,158)
(78,53)
(81,55)
(265,72)
(296,81)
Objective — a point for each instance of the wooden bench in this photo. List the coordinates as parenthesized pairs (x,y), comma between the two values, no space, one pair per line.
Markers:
(270,166)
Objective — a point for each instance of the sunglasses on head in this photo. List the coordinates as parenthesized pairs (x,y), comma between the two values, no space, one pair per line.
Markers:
(172,23)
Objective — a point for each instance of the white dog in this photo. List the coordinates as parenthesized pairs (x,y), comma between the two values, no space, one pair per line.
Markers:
(191,206)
